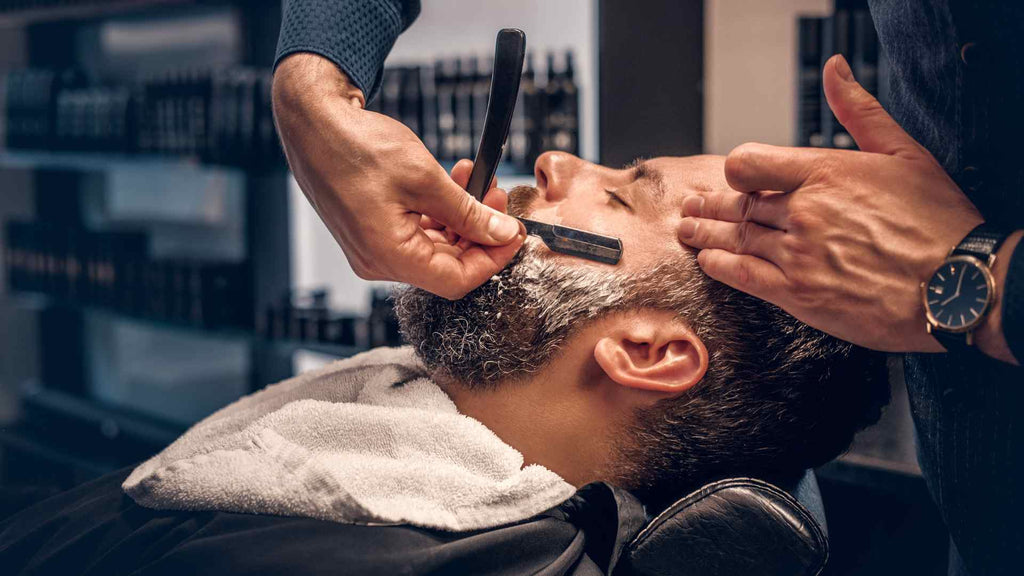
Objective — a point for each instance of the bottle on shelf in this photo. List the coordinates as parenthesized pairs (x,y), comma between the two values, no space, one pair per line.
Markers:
(562,104)
(445,79)
(533,111)
(809,32)
(466,71)
(481,88)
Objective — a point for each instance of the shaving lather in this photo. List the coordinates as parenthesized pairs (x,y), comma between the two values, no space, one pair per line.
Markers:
(509,52)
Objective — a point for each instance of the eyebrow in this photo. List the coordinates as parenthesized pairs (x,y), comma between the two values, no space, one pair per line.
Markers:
(642,170)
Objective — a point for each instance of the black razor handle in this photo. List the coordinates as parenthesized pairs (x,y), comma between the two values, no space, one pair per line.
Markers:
(509,53)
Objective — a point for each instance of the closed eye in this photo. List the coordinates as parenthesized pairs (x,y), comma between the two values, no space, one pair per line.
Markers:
(616,198)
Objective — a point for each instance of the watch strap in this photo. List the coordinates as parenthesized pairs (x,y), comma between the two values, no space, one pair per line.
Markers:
(981,242)
(955,342)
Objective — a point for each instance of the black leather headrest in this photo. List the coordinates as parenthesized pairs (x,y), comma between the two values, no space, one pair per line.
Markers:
(730,527)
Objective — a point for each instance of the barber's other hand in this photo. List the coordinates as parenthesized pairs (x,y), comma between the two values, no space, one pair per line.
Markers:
(848,237)
(375,186)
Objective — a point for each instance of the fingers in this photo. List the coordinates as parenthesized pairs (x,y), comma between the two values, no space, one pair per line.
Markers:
(745,273)
(751,167)
(451,266)
(767,208)
(462,170)
(737,237)
(451,206)
(453,271)
(497,199)
(428,223)
(861,114)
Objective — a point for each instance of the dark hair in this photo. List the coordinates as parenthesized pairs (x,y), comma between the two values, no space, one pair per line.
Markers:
(778,397)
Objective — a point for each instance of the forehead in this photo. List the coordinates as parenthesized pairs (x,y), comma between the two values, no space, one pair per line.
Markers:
(670,178)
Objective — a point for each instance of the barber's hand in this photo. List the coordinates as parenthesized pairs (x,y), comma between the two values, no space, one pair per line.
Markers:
(848,236)
(379,190)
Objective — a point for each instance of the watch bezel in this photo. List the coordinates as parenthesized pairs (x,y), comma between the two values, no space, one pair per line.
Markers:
(989,280)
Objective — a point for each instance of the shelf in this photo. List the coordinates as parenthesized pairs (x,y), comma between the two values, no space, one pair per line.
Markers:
(31,444)
(35,301)
(508,177)
(504,172)
(83,10)
(107,422)
(99,162)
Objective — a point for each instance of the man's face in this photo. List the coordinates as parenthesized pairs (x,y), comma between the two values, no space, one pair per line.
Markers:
(765,371)
(511,326)
(640,204)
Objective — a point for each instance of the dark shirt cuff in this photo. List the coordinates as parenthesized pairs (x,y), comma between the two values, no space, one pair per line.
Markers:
(1013,303)
(354,34)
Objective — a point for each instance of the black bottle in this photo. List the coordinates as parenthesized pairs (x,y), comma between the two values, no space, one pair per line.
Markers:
(444,80)
(809,82)
(428,95)
(571,108)
(561,130)
(481,91)
(532,101)
(391,93)
(410,104)
(466,79)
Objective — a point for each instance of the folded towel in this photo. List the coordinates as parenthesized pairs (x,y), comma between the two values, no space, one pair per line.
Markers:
(366,440)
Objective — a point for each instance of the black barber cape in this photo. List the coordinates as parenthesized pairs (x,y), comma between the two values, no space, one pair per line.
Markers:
(97,530)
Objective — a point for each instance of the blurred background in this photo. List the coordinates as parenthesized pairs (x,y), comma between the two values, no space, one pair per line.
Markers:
(159,261)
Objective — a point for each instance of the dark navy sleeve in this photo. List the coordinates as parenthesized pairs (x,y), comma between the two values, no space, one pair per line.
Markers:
(354,34)
(1013,303)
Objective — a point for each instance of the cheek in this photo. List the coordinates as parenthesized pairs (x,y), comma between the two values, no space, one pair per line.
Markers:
(645,244)
(589,216)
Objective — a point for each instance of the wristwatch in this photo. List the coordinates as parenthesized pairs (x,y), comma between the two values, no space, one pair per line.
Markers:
(962,290)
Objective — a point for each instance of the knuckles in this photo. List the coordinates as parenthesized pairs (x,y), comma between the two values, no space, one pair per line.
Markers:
(802,218)
(741,242)
(740,161)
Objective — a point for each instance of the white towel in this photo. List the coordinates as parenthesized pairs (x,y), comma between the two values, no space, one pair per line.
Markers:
(367,440)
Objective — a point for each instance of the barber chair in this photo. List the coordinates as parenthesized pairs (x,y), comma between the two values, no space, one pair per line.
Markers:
(731,527)
(736,526)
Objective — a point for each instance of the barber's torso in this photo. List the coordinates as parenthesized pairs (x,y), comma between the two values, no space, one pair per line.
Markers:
(957,87)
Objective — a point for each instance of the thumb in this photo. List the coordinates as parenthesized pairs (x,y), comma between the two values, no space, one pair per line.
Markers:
(472,220)
(861,114)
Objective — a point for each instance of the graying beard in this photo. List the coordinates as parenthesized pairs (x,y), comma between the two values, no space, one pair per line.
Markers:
(511,326)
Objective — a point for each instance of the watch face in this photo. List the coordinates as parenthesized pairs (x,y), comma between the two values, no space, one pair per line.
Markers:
(958,294)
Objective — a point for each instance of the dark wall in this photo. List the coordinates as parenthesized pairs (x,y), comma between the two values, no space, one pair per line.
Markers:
(651,78)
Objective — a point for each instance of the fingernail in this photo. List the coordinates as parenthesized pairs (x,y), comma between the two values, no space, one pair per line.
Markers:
(502,228)
(688,227)
(843,69)
(693,205)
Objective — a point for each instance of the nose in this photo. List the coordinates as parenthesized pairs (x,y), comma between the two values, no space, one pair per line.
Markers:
(555,172)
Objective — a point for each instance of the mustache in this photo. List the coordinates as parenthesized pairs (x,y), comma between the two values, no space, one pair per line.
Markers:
(520,199)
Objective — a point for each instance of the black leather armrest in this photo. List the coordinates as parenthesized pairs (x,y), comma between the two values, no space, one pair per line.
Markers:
(730,527)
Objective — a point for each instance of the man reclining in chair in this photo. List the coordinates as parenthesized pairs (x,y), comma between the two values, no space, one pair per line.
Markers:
(456,454)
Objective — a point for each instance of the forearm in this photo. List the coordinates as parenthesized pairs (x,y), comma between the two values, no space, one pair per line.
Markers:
(356,35)
(1002,334)
(303,79)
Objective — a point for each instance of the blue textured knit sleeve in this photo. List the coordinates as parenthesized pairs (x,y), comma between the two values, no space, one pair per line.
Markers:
(354,34)
(1013,303)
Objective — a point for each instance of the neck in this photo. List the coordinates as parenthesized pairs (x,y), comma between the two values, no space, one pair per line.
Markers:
(553,419)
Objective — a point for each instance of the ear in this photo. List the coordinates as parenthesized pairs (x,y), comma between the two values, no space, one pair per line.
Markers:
(648,353)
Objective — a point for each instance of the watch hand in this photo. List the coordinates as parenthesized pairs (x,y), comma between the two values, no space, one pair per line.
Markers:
(959,283)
